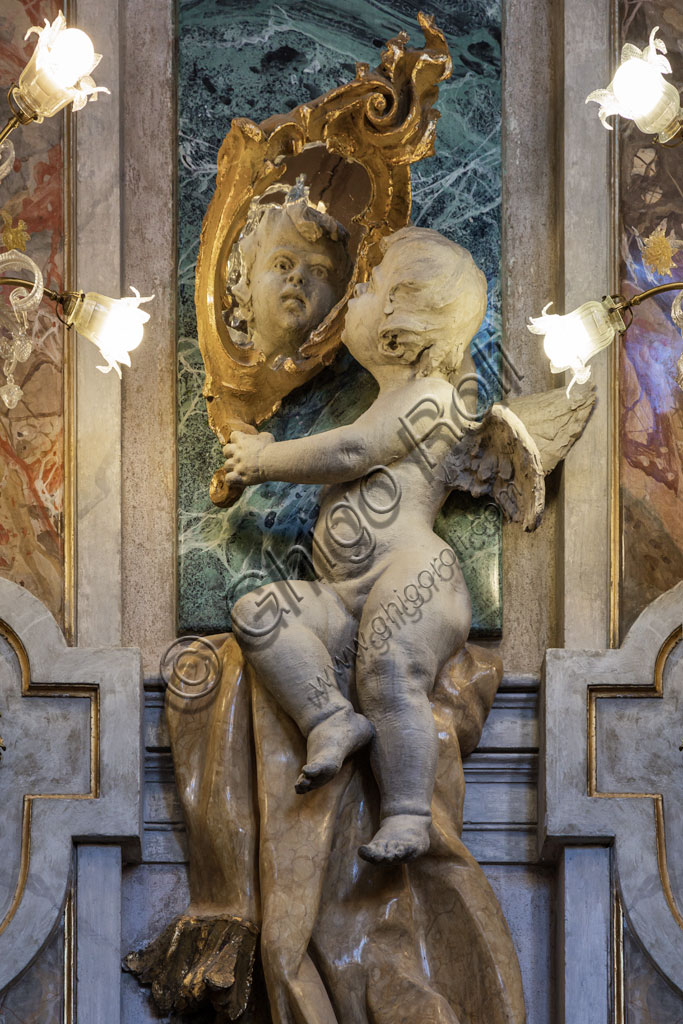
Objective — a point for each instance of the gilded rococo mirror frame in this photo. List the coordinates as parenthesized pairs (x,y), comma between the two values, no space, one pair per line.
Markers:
(381,122)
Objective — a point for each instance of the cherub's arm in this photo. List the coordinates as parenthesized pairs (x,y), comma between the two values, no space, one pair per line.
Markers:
(333,456)
(378,437)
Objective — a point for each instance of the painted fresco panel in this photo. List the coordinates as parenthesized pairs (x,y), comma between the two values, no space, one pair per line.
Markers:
(257,59)
(32,434)
(651,414)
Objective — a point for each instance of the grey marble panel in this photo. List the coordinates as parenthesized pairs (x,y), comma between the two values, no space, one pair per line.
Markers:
(632,748)
(648,998)
(584,53)
(98,934)
(501,789)
(515,723)
(61,767)
(526,895)
(97,209)
(37,997)
(584,937)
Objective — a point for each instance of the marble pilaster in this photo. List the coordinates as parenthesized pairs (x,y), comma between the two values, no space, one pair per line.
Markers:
(98,396)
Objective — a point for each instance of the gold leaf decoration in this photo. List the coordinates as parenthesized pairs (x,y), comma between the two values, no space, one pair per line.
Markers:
(659,250)
(14,236)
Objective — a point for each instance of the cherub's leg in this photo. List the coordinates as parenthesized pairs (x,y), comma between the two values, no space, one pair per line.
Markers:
(299,638)
(394,681)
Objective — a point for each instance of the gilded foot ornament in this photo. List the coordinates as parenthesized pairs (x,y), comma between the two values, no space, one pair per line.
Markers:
(198,962)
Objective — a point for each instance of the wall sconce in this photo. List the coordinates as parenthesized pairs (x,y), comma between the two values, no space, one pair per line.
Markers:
(115,326)
(571,340)
(639,92)
(57,74)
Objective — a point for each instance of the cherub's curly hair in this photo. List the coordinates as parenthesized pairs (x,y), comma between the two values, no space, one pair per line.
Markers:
(438,301)
(310,220)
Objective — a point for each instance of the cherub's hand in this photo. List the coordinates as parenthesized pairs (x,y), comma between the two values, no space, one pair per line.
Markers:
(242,454)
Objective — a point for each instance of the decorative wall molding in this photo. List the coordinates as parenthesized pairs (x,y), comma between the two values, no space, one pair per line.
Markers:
(612,769)
(71,770)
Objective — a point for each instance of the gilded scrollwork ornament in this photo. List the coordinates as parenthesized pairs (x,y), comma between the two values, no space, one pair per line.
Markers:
(354,147)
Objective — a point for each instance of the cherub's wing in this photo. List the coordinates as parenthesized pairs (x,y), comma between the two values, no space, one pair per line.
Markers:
(554,420)
(500,458)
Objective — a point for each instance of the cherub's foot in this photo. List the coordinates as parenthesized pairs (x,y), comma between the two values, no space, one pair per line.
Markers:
(329,744)
(401,837)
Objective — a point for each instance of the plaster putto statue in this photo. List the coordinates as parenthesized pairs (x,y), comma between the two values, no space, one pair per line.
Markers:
(356,695)
(388,474)
(321,779)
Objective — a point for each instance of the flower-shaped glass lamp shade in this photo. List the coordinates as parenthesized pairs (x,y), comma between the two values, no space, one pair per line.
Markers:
(58,72)
(571,340)
(115,326)
(652,102)
(639,91)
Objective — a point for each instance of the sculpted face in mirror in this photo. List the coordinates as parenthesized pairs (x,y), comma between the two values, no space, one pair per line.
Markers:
(289,269)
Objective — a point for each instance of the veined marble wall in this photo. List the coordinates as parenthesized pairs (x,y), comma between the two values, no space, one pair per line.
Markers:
(32,455)
(651,415)
(259,59)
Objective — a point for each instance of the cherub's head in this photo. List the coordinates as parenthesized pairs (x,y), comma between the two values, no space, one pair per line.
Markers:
(421,308)
(289,268)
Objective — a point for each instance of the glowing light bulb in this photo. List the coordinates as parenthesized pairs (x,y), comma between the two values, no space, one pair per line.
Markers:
(637,85)
(639,91)
(571,340)
(71,56)
(58,72)
(115,326)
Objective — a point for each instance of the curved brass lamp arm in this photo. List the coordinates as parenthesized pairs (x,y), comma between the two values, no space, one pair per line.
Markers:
(67,300)
(623,303)
(55,296)
(651,292)
(18,116)
(9,127)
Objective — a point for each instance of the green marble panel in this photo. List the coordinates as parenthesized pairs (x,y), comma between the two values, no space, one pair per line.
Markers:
(256,59)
